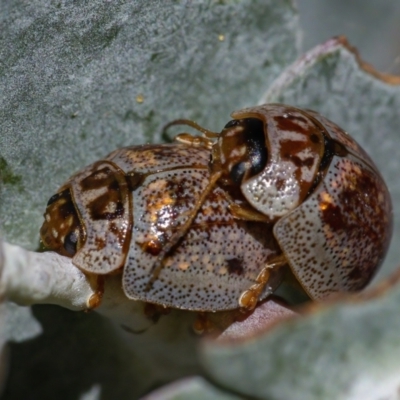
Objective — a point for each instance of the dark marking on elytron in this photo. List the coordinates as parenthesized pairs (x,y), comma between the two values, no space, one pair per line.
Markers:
(98,179)
(152,247)
(298,162)
(339,149)
(177,191)
(100,243)
(115,229)
(280,183)
(291,147)
(365,185)
(297,118)
(98,207)
(314,138)
(308,162)
(356,273)
(135,180)
(287,124)
(332,215)
(235,266)
(359,213)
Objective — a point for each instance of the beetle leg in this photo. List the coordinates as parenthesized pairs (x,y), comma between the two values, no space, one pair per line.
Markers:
(95,299)
(249,298)
(246,213)
(195,141)
(243,212)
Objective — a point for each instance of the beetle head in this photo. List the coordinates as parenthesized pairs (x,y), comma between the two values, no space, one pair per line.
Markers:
(62,230)
(240,152)
(271,153)
(90,219)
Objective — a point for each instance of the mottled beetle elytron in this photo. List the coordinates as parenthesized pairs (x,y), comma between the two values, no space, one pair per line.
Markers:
(210,222)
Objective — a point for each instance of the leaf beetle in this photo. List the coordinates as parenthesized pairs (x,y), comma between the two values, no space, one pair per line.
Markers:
(210,222)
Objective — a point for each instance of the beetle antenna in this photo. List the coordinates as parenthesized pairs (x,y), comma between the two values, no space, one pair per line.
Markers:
(192,124)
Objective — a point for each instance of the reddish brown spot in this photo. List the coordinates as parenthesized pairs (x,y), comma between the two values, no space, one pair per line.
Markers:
(291,147)
(105,178)
(298,162)
(100,243)
(333,216)
(235,266)
(113,228)
(358,213)
(98,179)
(135,180)
(152,247)
(339,149)
(356,273)
(122,235)
(98,207)
(297,118)
(280,184)
(308,162)
(289,124)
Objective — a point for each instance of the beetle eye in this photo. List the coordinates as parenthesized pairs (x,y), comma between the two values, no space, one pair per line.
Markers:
(257,152)
(234,122)
(70,243)
(57,196)
(241,151)
(237,172)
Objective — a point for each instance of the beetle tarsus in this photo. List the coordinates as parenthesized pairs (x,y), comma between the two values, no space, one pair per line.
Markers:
(95,299)
(249,298)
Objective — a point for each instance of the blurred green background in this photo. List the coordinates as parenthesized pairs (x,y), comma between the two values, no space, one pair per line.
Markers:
(373,27)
